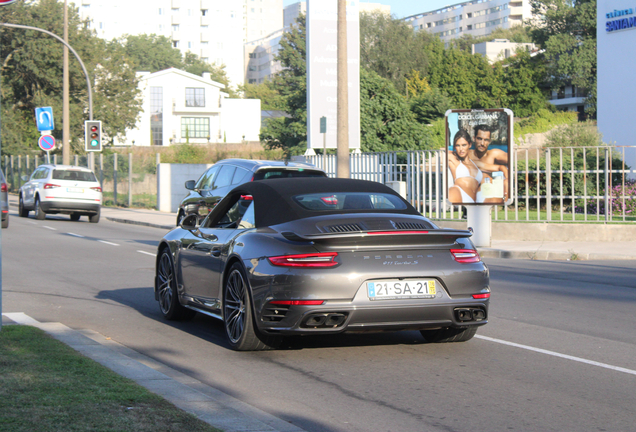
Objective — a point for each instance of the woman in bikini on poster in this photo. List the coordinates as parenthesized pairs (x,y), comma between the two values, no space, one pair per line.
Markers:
(467,177)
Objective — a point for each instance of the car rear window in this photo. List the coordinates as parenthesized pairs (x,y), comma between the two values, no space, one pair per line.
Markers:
(349,201)
(73,175)
(266,174)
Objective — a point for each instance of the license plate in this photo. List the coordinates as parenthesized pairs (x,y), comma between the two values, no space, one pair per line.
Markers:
(75,190)
(401,289)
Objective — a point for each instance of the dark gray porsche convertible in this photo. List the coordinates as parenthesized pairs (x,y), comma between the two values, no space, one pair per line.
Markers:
(316,256)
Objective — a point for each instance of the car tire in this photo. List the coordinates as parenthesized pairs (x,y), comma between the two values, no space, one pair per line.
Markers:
(166,286)
(75,217)
(449,334)
(39,213)
(22,212)
(95,217)
(5,223)
(238,315)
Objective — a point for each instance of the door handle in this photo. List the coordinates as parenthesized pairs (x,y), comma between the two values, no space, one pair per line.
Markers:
(216,252)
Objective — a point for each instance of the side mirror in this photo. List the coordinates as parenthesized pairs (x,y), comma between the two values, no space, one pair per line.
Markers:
(190,222)
(25,178)
(189,185)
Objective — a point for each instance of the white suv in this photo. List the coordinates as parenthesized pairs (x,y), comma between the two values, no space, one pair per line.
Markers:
(64,189)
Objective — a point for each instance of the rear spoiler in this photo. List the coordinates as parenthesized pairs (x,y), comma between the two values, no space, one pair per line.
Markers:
(432,237)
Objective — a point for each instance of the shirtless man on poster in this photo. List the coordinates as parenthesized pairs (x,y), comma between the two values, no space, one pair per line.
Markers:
(489,161)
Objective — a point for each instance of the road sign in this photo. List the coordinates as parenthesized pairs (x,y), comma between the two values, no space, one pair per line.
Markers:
(46,142)
(323,125)
(44,118)
(6,2)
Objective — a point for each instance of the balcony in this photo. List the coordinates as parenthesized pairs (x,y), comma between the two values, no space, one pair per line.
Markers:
(205,20)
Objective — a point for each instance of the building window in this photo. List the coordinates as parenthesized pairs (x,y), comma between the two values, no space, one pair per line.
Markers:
(204,12)
(175,44)
(205,27)
(195,97)
(160,11)
(175,27)
(195,127)
(156,115)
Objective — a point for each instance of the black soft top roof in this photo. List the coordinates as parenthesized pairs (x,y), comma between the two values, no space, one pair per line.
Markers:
(274,204)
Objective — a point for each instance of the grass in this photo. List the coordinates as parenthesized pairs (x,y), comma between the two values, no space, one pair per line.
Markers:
(47,386)
(145,200)
(533,215)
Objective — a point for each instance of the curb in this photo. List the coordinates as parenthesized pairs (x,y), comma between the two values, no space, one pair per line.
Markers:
(132,222)
(214,407)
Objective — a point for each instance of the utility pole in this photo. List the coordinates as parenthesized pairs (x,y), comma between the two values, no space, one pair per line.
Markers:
(343,94)
(66,130)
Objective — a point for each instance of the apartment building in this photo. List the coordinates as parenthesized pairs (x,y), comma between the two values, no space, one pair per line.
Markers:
(214,30)
(476,18)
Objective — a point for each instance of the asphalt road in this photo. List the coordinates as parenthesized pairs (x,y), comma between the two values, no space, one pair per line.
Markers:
(559,353)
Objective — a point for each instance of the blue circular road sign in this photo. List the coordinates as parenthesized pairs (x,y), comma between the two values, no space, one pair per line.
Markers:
(46,142)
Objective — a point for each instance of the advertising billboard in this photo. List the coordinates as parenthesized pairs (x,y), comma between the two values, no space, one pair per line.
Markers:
(478,156)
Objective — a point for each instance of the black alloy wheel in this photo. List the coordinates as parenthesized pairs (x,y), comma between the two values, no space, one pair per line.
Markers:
(39,213)
(166,286)
(22,212)
(238,315)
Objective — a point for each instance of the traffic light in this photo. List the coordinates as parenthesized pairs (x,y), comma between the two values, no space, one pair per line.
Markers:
(93,135)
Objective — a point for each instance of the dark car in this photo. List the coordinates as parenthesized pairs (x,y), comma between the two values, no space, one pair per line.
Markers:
(225,175)
(321,256)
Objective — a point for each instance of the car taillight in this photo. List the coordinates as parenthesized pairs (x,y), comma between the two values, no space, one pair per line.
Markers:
(4,187)
(96,188)
(51,186)
(330,200)
(465,256)
(481,296)
(327,259)
(297,302)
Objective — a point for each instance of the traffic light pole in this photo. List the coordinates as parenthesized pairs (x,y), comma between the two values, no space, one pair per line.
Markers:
(88,82)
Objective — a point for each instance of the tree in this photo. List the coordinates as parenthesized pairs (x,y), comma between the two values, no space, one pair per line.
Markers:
(430,106)
(265,91)
(290,132)
(567,32)
(386,121)
(392,49)
(31,64)
(520,80)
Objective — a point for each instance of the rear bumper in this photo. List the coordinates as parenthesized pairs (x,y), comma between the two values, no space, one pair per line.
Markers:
(70,207)
(339,317)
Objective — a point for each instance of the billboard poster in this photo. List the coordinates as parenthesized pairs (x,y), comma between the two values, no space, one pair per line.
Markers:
(478,156)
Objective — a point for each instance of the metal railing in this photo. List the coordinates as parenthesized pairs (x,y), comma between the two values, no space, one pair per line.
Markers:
(569,184)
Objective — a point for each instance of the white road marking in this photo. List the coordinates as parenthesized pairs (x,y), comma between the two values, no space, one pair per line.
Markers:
(51,228)
(75,235)
(108,243)
(556,354)
(146,253)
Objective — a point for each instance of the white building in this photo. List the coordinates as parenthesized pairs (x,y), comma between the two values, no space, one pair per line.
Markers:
(291,12)
(500,49)
(616,38)
(180,107)
(214,30)
(476,18)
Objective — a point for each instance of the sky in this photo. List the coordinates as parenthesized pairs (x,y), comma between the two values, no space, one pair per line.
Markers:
(403,8)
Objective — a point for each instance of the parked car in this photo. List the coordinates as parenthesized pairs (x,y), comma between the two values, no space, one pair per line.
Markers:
(306,256)
(4,200)
(66,189)
(226,174)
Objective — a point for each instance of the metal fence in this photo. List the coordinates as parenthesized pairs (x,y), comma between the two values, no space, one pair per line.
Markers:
(582,184)
(126,180)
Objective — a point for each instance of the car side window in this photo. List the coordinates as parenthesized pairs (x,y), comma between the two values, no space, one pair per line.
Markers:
(239,215)
(225,176)
(240,176)
(206,180)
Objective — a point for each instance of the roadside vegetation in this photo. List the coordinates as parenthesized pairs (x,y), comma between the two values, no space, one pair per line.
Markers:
(47,386)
